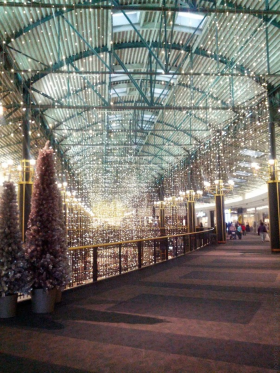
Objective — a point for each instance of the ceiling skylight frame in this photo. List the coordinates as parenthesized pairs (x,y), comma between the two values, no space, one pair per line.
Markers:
(120,20)
(188,20)
(252,153)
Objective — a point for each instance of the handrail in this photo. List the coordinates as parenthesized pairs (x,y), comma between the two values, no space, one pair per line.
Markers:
(92,264)
(138,240)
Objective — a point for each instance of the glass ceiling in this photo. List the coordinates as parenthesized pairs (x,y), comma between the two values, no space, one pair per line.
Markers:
(132,97)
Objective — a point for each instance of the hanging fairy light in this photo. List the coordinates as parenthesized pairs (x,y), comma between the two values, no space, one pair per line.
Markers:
(112,173)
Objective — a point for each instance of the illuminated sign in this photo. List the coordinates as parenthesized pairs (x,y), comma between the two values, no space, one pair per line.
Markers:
(200,214)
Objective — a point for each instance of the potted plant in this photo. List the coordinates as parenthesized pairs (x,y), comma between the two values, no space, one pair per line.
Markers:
(45,236)
(13,266)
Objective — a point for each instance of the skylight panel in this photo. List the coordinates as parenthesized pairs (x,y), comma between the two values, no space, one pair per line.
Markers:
(251,153)
(148,116)
(242,173)
(114,117)
(236,180)
(115,124)
(190,20)
(119,19)
(160,92)
(245,164)
(118,92)
(166,78)
(119,77)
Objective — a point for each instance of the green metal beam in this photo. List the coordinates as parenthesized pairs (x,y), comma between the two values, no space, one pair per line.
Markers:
(105,102)
(116,3)
(131,78)
(115,108)
(149,8)
(87,43)
(39,22)
(261,15)
(81,55)
(230,65)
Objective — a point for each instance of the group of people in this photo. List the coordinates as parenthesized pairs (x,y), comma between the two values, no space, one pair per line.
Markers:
(237,230)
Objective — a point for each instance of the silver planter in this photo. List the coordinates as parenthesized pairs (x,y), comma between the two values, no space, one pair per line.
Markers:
(58,296)
(43,301)
(8,306)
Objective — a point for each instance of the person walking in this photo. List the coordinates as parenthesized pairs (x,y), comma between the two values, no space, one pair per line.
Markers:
(232,232)
(243,229)
(262,231)
(239,231)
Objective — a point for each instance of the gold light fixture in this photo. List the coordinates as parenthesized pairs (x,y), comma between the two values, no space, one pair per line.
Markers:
(23,172)
(191,195)
(271,173)
(171,201)
(219,187)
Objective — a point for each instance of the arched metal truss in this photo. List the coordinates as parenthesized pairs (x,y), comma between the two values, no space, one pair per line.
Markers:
(148,89)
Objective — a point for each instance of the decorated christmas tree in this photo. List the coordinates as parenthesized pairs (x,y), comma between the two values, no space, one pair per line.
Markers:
(45,237)
(13,266)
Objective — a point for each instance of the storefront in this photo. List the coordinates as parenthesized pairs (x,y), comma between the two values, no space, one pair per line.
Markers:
(202,218)
(231,215)
(256,214)
(250,219)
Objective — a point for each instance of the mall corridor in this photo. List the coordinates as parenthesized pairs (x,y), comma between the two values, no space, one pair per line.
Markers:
(214,310)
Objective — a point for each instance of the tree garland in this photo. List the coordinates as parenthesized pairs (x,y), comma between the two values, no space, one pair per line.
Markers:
(14,276)
(46,239)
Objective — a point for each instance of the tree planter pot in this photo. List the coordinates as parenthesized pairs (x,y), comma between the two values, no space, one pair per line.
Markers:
(58,296)
(8,306)
(43,301)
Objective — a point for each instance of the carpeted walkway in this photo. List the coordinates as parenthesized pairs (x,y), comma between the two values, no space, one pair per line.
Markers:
(214,310)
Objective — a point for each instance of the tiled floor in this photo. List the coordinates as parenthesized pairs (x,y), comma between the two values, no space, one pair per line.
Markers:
(214,310)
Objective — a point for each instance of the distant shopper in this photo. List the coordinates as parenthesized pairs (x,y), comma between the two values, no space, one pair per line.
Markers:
(228,226)
(232,232)
(262,231)
(239,231)
(247,228)
(243,229)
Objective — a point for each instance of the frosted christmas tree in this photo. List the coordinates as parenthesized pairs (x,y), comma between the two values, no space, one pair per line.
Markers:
(45,237)
(13,266)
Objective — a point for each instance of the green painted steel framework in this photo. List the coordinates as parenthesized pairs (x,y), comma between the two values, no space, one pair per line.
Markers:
(225,67)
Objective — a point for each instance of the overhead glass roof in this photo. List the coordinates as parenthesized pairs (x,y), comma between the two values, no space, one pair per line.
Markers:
(133,94)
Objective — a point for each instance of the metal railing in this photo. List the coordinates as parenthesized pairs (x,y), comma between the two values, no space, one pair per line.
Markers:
(95,262)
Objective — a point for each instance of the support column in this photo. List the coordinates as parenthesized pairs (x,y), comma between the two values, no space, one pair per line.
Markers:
(273,185)
(220,218)
(162,218)
(164,242)
(191,216)
(273,202)
(212,223)
(186,216)
(174,213)
(154,213)
(161,212)
(26,173)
